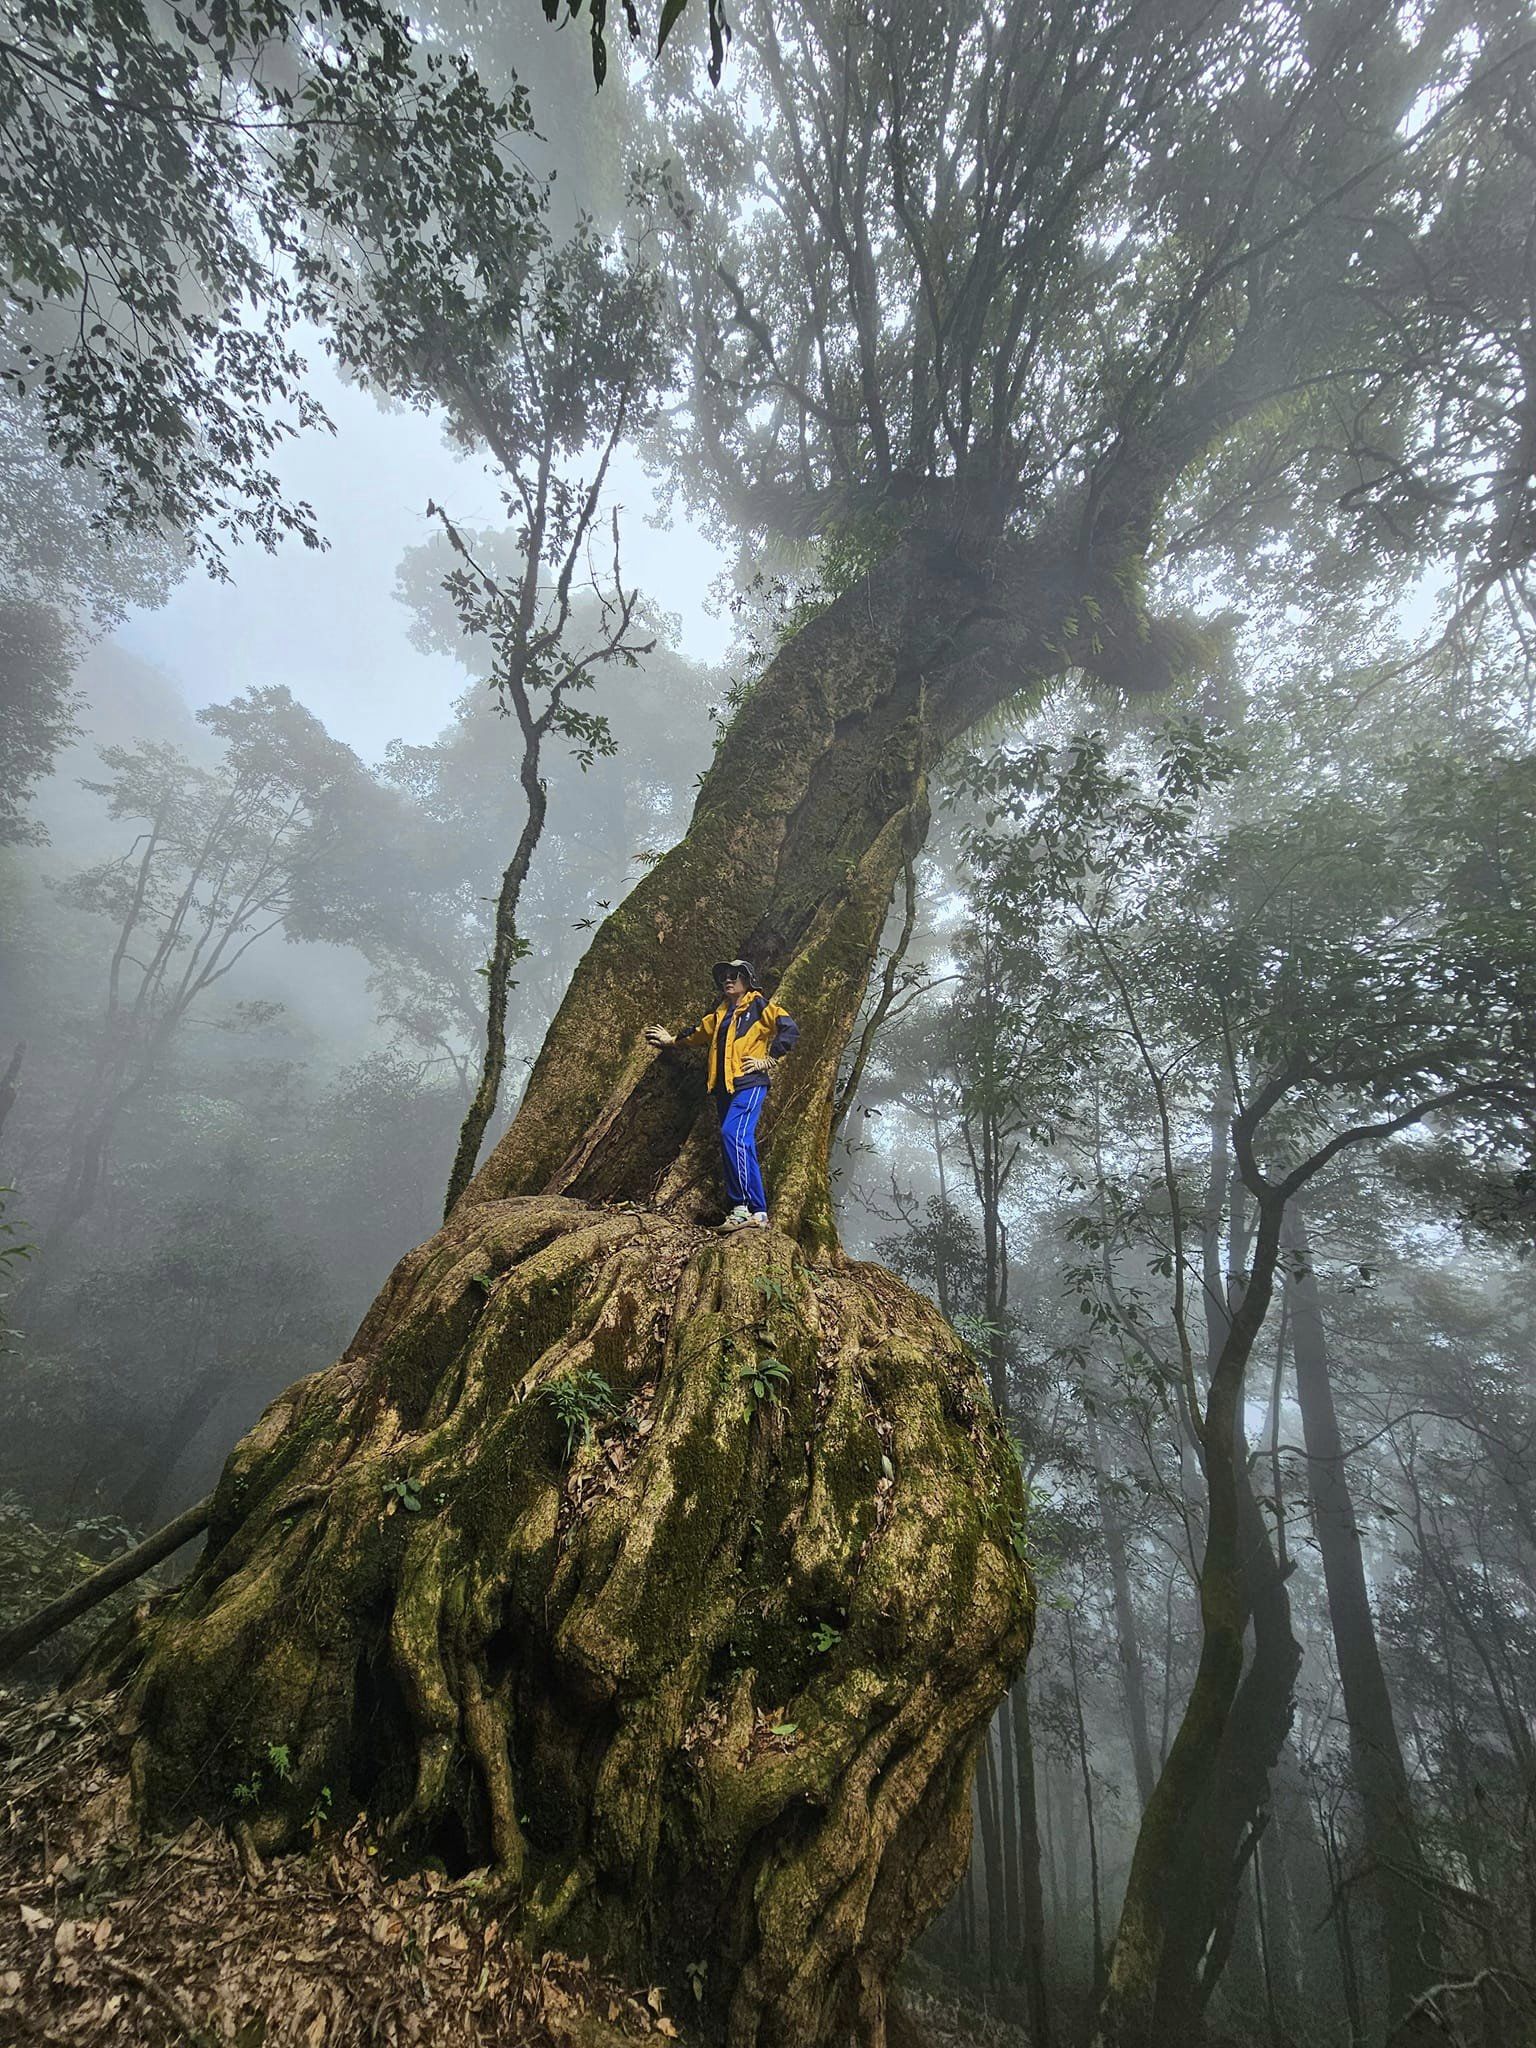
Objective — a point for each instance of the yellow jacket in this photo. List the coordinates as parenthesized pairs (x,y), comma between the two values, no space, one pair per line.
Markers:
(760,1029)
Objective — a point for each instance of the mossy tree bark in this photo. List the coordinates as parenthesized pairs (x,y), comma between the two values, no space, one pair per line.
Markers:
(799,839)
(709,1690)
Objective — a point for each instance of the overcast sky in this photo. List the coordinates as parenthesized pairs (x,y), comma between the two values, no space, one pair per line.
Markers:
(329,625)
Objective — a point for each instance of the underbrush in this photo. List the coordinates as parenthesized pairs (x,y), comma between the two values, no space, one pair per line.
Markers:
(42,1559)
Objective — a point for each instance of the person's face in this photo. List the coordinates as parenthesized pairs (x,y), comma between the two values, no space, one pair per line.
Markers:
(733,988)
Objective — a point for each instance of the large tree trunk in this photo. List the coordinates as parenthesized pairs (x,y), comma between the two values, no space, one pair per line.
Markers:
(1399,1880)
(596,1672)
(599,1676)
(796,845)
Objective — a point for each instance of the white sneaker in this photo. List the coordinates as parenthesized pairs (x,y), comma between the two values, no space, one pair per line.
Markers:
(738,1219)
(760,1218)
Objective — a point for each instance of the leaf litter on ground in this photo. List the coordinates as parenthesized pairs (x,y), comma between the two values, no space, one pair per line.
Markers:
(112,1938)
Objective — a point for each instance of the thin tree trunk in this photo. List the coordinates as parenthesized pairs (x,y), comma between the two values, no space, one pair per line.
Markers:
(1276,1467)
(992,1860)
(1243,1970)
(1231,1809)
(1215,1282)
(1349,1967)
(1009,1810)
(941,1264)
(1297,1870)
(848,1093)
(1061,1891)
(1032,1891)
(1273,1878)
(1132,1669)
(1162,1738)
(1088,1808)
(1454,1740)
(1074,1916)
(503,954)
(1391,1837)
(8,1085)
(1261,1922)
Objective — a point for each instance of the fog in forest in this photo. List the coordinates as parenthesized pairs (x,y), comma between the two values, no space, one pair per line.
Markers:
(1190,1071)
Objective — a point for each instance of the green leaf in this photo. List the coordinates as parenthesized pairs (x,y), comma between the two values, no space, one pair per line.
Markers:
(671,13)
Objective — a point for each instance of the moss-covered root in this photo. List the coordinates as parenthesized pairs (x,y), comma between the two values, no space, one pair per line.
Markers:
(667,1577)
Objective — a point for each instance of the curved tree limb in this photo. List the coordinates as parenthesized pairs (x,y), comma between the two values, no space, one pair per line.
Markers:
(16,1642)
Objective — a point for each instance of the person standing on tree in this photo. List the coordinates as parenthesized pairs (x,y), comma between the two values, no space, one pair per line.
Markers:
(745,1034)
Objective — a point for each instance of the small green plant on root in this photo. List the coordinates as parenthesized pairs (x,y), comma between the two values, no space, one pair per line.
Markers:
(765,1380)
(279,1761)
(580,1400)
(319,1814)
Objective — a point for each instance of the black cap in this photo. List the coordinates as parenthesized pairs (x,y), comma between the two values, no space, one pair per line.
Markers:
(744,968)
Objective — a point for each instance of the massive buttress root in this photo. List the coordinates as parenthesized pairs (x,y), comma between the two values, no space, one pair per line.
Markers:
(704,1693)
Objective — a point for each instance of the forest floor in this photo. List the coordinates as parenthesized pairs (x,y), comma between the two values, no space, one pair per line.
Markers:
(111,1938)
(108,1936)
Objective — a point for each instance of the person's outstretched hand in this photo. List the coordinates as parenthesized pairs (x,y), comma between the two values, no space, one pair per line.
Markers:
(659,1035)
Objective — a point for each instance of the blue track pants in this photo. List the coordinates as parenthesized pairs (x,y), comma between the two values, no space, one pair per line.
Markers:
(738,1138)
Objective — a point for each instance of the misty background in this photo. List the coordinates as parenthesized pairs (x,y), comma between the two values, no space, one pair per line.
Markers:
(193,1229)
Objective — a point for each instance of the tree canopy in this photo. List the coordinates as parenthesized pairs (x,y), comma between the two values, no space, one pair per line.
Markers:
(179,192)
(1208,280)
(1121,416)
